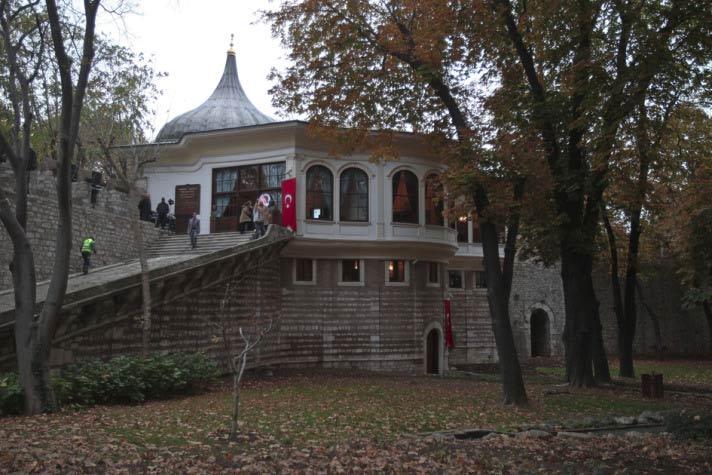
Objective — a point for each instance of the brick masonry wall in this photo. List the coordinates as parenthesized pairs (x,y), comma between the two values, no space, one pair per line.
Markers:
(373,326)
(190,323)
(108,221)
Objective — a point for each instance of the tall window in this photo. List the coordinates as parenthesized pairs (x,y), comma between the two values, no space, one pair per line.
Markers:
(433,273)
(455,279)
(480,280)
(304,270)
(396,271)
(434,201)
(225,180)
(320,193)
(350,270)
(405,197)
(461,226)
(234,186)
(353,195)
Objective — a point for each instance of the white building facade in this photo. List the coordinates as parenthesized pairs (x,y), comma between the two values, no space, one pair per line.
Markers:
(372,257)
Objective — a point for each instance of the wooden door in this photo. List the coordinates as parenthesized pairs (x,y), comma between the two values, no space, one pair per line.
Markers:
(432,350)
(187,203)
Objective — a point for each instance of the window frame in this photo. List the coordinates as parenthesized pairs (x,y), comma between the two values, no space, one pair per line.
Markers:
(406,273)
(462,279)
(430,182)
(428,283)
(341,195)
(480,282)
(414,208)
(362,274)
(294,272)
(330,204)
(236,196)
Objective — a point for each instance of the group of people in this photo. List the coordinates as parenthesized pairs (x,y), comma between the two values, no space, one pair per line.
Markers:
(256,214)
(162,211)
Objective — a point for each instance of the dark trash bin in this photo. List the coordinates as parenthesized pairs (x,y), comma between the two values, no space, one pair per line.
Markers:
(652,385)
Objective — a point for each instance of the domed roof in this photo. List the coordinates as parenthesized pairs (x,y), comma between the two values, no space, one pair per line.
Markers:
(228,107)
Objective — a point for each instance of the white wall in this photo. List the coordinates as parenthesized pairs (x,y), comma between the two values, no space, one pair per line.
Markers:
(162,180)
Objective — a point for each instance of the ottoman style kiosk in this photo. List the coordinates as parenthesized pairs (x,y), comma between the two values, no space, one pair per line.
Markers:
(372,266)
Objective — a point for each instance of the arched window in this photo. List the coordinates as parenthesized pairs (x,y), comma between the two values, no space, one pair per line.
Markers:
(320,193)
(353,195)
(405,197)
(434,201)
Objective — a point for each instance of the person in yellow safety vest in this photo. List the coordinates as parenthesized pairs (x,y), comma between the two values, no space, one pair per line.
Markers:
(87,249)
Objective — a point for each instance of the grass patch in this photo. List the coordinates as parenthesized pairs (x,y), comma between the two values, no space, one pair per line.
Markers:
(681,372)
(328,409)
(302,423)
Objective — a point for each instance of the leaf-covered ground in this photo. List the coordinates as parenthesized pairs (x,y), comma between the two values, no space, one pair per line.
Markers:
(684,372)
(360,422)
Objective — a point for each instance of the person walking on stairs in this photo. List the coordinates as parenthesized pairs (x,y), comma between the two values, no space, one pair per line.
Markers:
(258,216)
(194,230)
(162,211)
(245,216)
(88,248)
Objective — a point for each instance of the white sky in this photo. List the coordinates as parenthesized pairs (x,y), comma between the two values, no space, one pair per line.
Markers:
(188,39)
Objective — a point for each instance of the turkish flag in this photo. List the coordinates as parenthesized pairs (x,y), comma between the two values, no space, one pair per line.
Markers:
(289,204)
(449,342)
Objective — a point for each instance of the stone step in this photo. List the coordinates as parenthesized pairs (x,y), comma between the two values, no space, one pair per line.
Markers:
(180,244)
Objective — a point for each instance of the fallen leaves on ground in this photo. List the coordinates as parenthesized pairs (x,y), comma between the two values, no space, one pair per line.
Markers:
(334,423)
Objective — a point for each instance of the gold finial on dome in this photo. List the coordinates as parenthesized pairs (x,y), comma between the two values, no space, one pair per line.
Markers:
(232,44)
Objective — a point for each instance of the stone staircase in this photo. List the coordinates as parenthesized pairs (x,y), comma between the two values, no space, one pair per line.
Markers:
(179,244)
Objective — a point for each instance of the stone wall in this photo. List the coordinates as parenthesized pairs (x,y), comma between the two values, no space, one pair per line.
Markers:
(107,220)
(377,326)
(374,326)
(682,330)
(536,287)
(190,323)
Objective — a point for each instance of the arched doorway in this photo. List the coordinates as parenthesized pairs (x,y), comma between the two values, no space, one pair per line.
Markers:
(432,352)
(540,341)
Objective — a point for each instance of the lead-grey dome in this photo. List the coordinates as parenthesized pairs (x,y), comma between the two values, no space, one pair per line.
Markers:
(228,107)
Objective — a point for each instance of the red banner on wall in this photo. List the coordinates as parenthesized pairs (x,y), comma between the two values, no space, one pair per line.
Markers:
(449,342)
(289,204)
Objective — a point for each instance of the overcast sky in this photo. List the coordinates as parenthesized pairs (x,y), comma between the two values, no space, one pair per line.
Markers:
(188,39)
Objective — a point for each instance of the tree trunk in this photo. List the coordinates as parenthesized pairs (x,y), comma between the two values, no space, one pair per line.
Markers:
(235,407)
(23,277)
(630,308)
(23,281)
(512,382)
(626,360)
(145,276)
(238,371)
(601,370)
(41,343)
(579,299)
(653,318)
(708,315)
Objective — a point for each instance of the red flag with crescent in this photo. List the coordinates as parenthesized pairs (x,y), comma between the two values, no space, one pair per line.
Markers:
(289,204)
(449,342)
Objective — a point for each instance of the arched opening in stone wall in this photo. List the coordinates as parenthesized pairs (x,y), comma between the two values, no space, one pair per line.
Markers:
(432,352)
(540,333)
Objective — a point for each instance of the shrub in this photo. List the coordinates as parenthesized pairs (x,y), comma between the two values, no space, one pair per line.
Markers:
(133,379)
(11,395)
(121,380)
